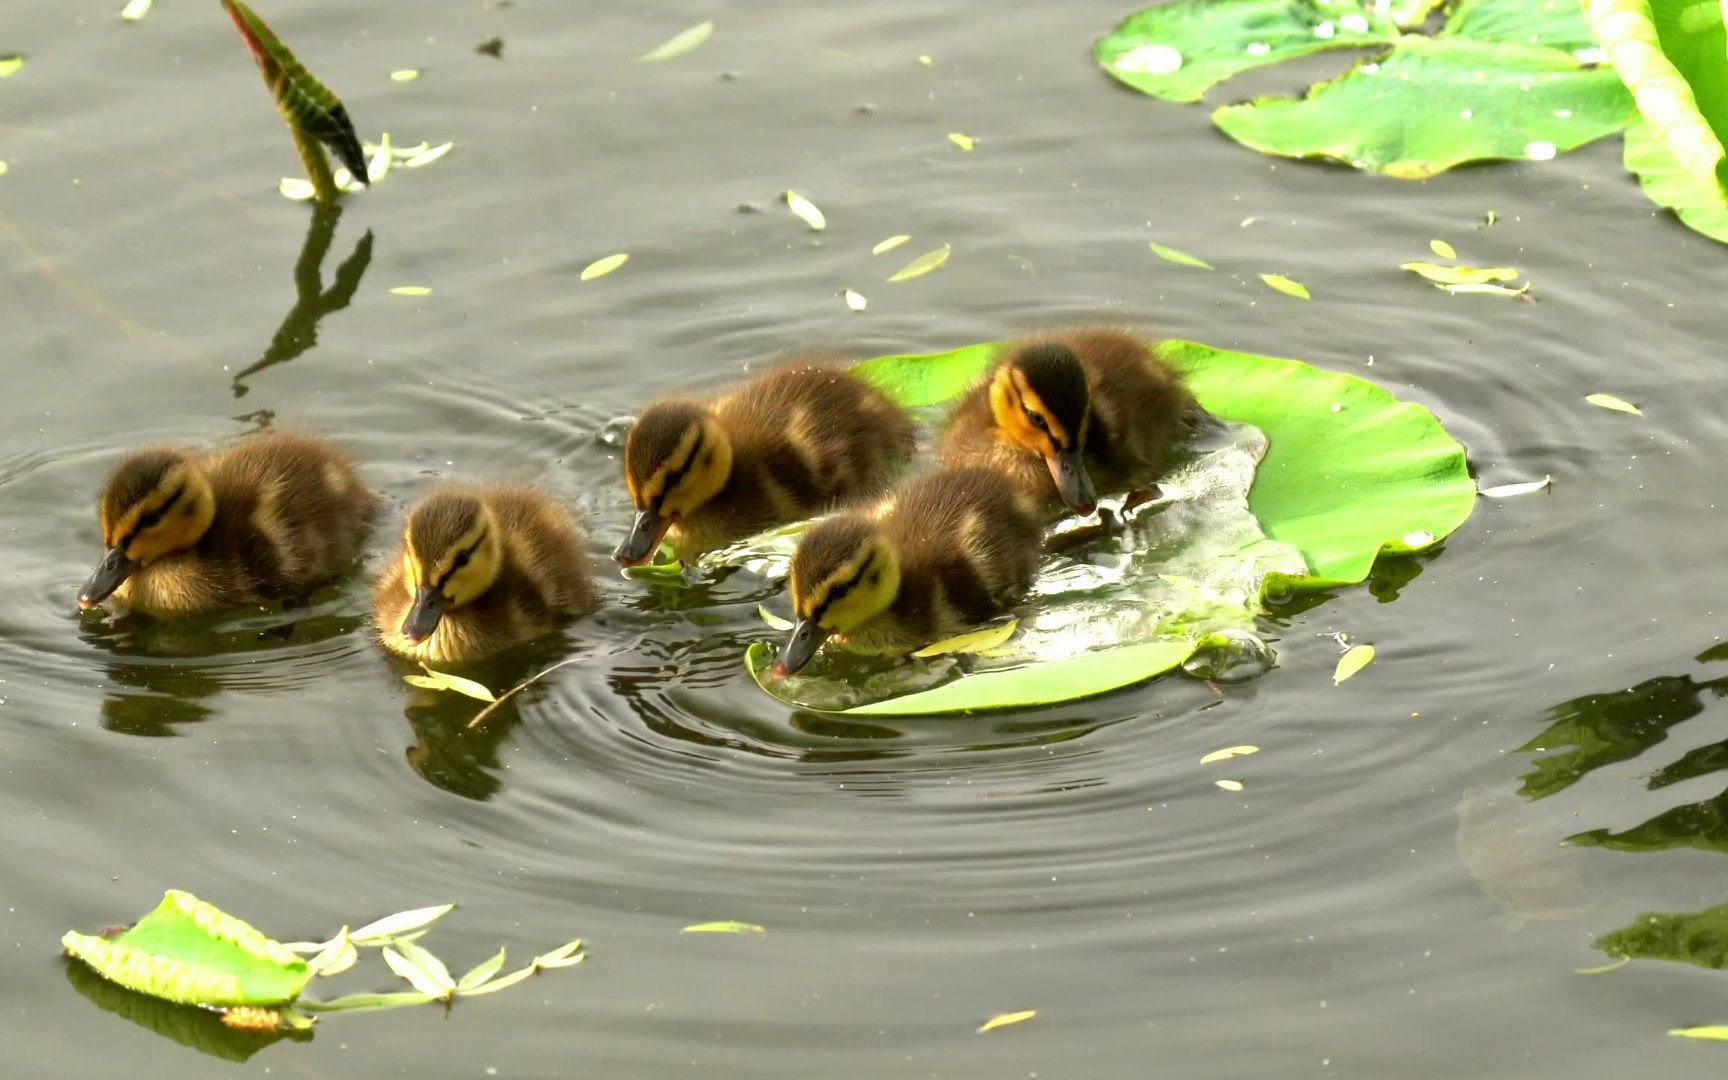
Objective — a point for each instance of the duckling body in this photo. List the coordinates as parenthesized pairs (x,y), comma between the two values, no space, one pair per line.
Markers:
(795,441)
(941,553)
(189,533)
(480,570)
(1069,414)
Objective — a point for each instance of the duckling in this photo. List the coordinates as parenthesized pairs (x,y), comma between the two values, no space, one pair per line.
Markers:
(943,552)
(1067,414)
(481,569)
(189,533)
(787,444)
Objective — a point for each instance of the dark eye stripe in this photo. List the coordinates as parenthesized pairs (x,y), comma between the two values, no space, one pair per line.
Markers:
(676,476)
(149,520)
(837,593)
(459,562)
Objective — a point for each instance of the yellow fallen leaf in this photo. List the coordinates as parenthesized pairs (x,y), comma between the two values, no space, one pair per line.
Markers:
(404,74)
(970,642)
(1460,275)
(411,290)
(1485,289)
(1228,785)
(1001,1020)
(1714,1031)
(1442,249)
(1229,752)
(136,9)
(922,265)
(1177,256)
(925,60)
(724,926)
(378,165)
(2,168)
(427,157)
(1355,658)
(292,187)
(680,43)
(963,141)
(1507,491)
(806,211)
(10,64)
(1285,285)
(457,683)
(1609,401)
(855,300)
(602,267)
(890,244)
(774,621)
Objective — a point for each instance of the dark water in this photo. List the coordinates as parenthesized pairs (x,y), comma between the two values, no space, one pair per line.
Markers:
(1378,901)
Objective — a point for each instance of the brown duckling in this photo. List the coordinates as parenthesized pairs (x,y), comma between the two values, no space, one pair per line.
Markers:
(795,441)
(189,533)
(940,554)
(481,569)
(1068,414)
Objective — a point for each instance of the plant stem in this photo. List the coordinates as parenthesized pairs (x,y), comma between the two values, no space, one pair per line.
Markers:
(317,166)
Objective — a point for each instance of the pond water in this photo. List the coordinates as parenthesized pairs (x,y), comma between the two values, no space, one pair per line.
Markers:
(1367,905)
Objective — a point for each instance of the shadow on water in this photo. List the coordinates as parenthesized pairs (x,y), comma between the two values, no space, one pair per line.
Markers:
(299,330)
(200,1029)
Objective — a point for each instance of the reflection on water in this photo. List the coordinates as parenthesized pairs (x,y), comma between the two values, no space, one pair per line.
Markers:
(199,1029)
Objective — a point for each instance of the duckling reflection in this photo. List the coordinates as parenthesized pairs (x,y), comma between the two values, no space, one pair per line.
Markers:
(299,329)
(942,553)
(1066,415)
(480,570)
(793,442)
(273,515)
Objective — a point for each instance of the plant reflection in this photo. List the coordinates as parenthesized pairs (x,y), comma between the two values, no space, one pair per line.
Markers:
(200,1029)
(299,330)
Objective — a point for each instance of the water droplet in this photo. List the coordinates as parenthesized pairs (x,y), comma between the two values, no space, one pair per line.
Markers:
(1564,114)
(1369,68)
(1151,59)
(1354,23)
(1590,55)
(1419,538)
(1230,656)
(1466,113)
(613,431)
(1258,48)
(1540,150)
(1325,31)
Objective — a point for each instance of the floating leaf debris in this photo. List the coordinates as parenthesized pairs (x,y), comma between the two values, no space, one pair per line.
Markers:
(414,290)
(10,64)
(1002,1020)
(680,43)
(806,211)
(976,641)
(1286,285)
(1507,491)
(774,621)
(136,9)
(1229,752)
(962,140)
(889,244)
(922,265)
(1460,275)
(1609,401)
(855,300)
(1442,249)
(1228,785)
(439,680)
(1173,255)
(404,74)
(724,926)
(602,267)
(1355,658)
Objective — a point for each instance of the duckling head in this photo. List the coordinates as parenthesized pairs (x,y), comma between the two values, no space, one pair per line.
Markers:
(675,459)
(156,502)
(844,573)
(1041,403)
(451,554)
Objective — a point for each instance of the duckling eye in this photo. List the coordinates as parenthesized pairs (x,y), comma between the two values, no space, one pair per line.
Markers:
(461,561)
(150,520)
(1037,420)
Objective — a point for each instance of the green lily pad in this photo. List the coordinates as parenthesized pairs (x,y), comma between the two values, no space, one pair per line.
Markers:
(1557,24)
(1671,53)
(1433,103)
(1697,202)
(190,952)
(1176,51)
(1351,473)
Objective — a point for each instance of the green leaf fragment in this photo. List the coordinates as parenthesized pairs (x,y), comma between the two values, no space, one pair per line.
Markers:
(381,931)
(1484,289)
(1442,249)
(446,681)
(806,211)
(419,290)
(1354,660)
(922,265)
(503,982)
(9,65)
(726,926)
(368,1002)
(337,956)
(601,267)
(481,973)
(1460,275)
(774,621)
(680,43)
(427,157)
(1714,1031)
(136,9)
(962,140)
(1002,1020)
(419,978)
(191,952)
(1509,491)
(565,955)
(889,244)
(1609,401)
(404,74)
(294,188)
(975,641)
(1228,785)
(1229,752)
(1286,285)
(1180,258)
(429,966)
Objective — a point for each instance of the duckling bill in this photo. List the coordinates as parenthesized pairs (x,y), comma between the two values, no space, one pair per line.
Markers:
(787,444)
(942,553)
(1064,415)
(481,570)
(190,533)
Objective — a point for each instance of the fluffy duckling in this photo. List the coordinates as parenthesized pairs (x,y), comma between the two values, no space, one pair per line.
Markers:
(189,533)
(790,443)
(1065,415)
(942,553)
(480,570)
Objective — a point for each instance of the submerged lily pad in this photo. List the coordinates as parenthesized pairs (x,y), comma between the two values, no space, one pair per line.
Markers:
(190,952)
(1350,473)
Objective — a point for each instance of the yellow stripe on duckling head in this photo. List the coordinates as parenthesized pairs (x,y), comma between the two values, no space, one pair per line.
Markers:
(844,573)
(676,458)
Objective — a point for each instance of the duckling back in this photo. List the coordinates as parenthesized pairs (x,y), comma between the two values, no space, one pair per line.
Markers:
(537,578)
(1139,404)
(289,513)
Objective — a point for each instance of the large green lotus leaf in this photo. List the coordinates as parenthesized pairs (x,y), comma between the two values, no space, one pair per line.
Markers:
(1557,24)
(193,953)
(1350,473)
(1175,51)
(1690,937)
(1697,201)
(1671,53)
(1433,103)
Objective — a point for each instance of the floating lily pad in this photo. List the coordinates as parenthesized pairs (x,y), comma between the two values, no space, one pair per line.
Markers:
(1697,202)
(1556,24)
(1434,103)
(1350,473)
(1671,53)
(190,952)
